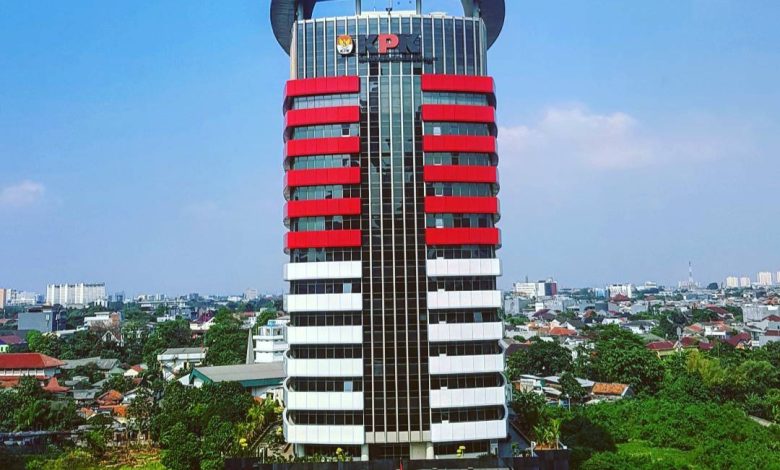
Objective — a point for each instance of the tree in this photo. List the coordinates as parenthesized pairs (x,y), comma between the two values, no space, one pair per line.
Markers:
(620,356)
(529,408)
(218,441)
(181,450)
(265,316)
(169,334)
(44,343)
(571,388)
(226,340)
(540,358)
(141,410)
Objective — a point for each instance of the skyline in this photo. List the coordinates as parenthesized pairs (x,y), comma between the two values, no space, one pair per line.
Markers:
(177,126)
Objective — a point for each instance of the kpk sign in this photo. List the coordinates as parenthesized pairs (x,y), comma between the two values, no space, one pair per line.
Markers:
(385,48)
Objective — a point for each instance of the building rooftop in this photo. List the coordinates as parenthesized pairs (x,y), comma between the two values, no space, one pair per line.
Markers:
(242,372)
(28,361)
(174,351)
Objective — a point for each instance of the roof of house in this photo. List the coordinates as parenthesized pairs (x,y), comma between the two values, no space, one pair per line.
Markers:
(111,396)
(54,386)
(770,318)
(559,331)
(102,364)
(739,338)
(247,374)
(12,340)
(28,361)
(600,388)
(173,351)
(660,346)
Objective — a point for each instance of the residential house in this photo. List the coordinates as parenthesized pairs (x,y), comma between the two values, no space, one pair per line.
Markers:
(259,379)
(135,371)
(14,366)
(173,361)
(610,392)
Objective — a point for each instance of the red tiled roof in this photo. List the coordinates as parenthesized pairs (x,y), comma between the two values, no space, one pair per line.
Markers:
(110,397)
(9,382)
(608,389)
(28,361)
(660,346)
(12,339)
(770,318)
(772,333)
(740,338)
(54,386)
(559,331)
(688,341)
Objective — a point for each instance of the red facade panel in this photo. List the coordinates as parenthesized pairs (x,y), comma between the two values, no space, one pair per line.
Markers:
(322,146)
(322,239)
(459,174)
(321,86)
(459,143)
(321,176)
(458,83)
(461,205)
(458,113)
(462,236)
(316,116)
(349,206)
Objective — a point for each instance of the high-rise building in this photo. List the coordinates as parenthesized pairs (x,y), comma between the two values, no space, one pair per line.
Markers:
(732,282)
(764,279)
(391,183)
(548,288)
(744,282)
(75,294)
(3,297)
(251,294)
(626,290)
(777,278)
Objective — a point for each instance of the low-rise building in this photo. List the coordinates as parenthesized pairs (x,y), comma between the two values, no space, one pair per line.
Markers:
(14,366)
(173,361)
(270,342)
(258,379)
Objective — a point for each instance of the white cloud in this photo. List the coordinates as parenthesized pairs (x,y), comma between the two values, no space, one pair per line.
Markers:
(23,194)
(574,136)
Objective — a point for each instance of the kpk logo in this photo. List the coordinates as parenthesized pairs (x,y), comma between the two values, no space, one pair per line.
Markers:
(345,45)
(390,43)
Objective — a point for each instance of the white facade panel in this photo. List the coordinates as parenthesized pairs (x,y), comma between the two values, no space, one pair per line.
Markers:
(351,401)
(464,299)
(463,267)
(323,303)
(326,270)
(323,367)
(439,332)
(465,397)
(478,430)
(442,365)
(325,334)
(325,435)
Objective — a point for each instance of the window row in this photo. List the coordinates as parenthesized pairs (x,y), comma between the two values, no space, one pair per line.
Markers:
(311,193)
(325,101)
(466,381)
(330,286)
(456,128)
(469,447)
(325,161)
(465,316)
(472,159)
(326,352)
(475,348)
(460,189)
(466,283)
(459,220)
(462,252)
(326,384)
(334,222)
(328,130)
(327,418)
(322,255)
(467,415)
(455,98)
(326,319)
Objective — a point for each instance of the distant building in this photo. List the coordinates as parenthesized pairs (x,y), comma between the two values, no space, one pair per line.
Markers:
(626,290)
(21,298)
(258,379)
(744,282)
(756,313)
(732,282)
(251,294)
(764,279)
(271,341)
(533,290)
(3,298)
(43,319)
(103,320)
(75,294)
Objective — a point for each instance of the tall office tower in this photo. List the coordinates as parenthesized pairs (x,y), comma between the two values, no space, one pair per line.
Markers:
(390,159)
(75,294)
(744,282)
(732,282)
(765,278)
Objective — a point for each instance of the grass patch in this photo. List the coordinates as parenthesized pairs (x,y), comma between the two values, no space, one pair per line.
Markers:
(663,456)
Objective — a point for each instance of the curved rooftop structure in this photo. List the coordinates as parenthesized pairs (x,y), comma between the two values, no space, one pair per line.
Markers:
(285,12)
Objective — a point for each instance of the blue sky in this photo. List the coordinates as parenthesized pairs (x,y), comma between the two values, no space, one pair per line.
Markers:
(140,142)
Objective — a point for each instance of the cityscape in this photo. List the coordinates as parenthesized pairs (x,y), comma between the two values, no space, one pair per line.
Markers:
(143,322)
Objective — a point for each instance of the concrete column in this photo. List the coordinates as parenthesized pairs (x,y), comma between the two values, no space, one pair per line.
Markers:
(364,447)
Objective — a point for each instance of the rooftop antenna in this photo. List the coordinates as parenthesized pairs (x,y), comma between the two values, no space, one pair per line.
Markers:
(389,6)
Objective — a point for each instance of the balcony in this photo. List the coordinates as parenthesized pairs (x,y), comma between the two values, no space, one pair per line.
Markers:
(323,303)
(325,334)
(463,267)
(323,367)
(325,270)
(445,365)
(471,431)
(324,435)
(468,397)
(441,332)
(333,401)
(464,299)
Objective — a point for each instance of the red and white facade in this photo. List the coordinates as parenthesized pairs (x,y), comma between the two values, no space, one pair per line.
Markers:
(391,207)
